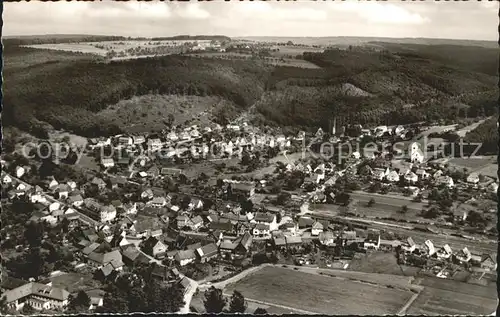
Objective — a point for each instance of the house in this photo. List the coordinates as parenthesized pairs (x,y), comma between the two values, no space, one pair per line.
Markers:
(445,252)
(185,257)
(153,171)
(154,145)
(90,248)
(129,208)
(37,195)
(415,153)
(99,183)
(125,141)
(172,136)
(326,238)
(317,228)
(62,190)
(139,139)
(154,247)
(488,262)
(107,213)
(261,230)
(53,184)
(293,241)
(290,227)
(75,200)
(461,212)
(422,174)
(20,171)
(6,179)
(305,222)
(473,178)
(410,245)
(319,133)
(158,202)
(195,203)
(107,162)
(240,246)
(266,218)
(196,222)
(411,177)
(100,260)
(96,298)
(244,190)
(372,241)
(493,187)
(392,177)
(379,173)
(147,194)
(207,252)
(222,225)
(429,247)
(445,181)
(37,295)
(464,255)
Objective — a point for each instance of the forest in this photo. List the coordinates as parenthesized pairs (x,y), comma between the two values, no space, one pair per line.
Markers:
(399,84)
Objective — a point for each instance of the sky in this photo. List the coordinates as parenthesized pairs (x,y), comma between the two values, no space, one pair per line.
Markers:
(452,20)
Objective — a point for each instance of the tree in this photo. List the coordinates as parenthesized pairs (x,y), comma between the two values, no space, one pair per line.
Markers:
(237,304)
(371,202)
(170,119)
(260,311)
(343,199)
(283,198)
(214,300)
(79,303)
(404,209)
(175,298)
(28,309)
(246,206)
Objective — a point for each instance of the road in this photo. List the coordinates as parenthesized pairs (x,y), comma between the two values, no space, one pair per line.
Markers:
(462,132)
(51,199)
(456,243)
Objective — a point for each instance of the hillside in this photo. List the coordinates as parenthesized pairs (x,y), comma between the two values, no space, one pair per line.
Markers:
(361,85)
(67,94)
(193,38)
(487,134)
(389,80)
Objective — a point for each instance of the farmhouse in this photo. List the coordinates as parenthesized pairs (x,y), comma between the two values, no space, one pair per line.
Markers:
(99,260)
(154,247)
(207,252)
(473,178)
(107,162)
(185,257)
(242,189)
(38,296)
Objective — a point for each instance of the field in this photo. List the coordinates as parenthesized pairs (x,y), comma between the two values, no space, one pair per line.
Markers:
(294,50)
(318,294)
(74,282)
(377,262)
(276,60)
(485,165)
(150,112)
(446,297)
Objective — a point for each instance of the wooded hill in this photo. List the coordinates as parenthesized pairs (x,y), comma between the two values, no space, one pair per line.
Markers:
(402,84)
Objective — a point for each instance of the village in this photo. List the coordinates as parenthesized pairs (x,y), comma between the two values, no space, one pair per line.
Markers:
(263,199)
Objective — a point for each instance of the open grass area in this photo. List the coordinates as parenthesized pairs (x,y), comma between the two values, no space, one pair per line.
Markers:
(447,297)
(376,262)
(472,164)
(75,282)
(319,294)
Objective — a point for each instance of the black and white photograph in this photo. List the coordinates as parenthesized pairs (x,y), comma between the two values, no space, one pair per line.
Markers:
(250,157)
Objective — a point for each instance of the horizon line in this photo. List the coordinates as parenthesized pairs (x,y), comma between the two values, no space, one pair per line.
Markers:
(246,36)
